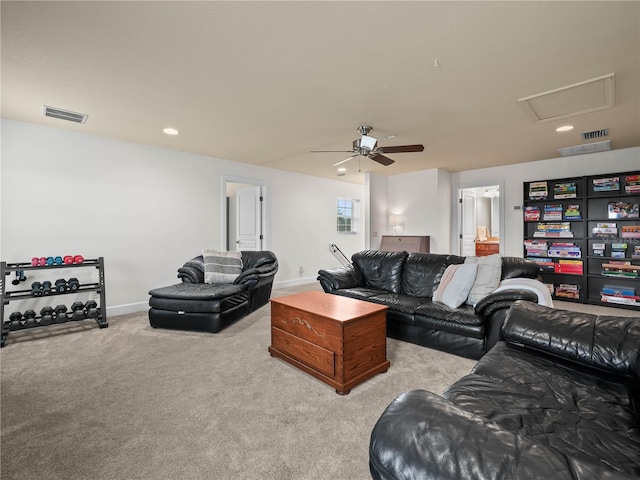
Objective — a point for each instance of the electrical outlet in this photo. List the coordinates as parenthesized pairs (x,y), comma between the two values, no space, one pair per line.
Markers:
(301,271)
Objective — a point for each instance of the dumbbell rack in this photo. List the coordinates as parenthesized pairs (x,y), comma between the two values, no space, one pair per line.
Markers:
(7,268)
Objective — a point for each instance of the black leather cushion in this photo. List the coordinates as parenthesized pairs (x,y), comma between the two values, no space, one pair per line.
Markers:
(359,293)
(605,342)
(517,267)
(423,271)
(462,320)
(198,297)
(547,399)
(381,270)
(399,302)
(251,259)
(423,436)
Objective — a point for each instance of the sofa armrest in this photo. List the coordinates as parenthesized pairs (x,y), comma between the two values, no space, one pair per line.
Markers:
(337,278)
(422,435)
(503,299)
(493,309)
(192,271)
(190,275)
(604,342)
(254,275)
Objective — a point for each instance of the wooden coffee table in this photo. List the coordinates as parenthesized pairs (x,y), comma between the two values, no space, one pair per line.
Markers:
(340,341)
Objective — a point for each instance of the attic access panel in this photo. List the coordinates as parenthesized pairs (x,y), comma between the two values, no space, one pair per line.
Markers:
(577,99)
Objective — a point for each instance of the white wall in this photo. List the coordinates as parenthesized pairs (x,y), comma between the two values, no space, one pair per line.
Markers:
(515,175)
(377,209)
(423,199)
(147,209)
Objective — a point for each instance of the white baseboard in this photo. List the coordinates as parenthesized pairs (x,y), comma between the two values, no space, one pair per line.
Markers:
(126,309)
(295,282)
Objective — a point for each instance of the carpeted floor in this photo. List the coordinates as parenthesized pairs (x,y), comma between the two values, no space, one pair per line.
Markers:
(132,402)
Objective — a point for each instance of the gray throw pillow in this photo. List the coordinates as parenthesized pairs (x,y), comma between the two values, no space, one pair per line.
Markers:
(455,285)
(487,278)
(221,266)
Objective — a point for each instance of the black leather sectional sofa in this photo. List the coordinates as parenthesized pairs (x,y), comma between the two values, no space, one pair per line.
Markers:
(558,398)
(406,282)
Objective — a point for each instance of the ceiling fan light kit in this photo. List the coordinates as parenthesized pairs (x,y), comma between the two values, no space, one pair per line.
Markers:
(366,146)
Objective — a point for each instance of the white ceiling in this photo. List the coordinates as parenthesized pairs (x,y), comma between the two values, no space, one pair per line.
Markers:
(266,82)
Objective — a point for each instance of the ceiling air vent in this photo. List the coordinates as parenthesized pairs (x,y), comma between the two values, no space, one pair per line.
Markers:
(54,112)
(586,148)
(595,134)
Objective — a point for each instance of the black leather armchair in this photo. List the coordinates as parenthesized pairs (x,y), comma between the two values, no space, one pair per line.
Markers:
(195,305)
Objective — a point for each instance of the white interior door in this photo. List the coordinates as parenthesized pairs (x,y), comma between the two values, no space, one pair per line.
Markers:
(468,223)
(249,218)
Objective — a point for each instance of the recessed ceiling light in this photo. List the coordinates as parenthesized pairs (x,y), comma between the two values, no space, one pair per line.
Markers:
(564,128)
(171,131)
(342,169)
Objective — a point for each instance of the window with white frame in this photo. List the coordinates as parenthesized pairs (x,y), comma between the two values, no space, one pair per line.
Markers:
(347,215)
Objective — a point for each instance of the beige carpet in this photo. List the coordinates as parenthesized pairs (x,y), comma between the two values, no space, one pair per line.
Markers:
(132,402)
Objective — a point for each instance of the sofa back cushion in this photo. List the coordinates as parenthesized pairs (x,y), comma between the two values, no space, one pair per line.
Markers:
(607,343)
(380,270)
(423,272)
(517,267)
(257,259)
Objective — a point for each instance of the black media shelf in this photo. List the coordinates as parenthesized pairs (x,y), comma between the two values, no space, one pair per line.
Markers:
(597,228)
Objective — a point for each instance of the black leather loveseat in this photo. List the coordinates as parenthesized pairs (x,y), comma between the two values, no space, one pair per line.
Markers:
(557,399)
(195,305)
(406,282)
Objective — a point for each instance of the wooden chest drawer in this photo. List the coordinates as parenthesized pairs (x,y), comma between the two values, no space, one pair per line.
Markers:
(308,326)
(314,356)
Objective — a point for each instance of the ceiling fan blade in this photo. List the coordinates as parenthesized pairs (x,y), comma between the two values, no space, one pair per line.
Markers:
(401,149)
(331,151)
(345,160)
(381,159)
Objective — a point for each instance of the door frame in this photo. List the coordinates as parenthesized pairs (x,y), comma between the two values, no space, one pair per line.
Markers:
(266,215)
(456,225)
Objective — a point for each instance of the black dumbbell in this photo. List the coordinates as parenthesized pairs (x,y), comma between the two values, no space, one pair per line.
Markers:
(73,283)
(20,277)
(61,314)
(36,289)
(46,314)
(78,311)
(61,285)
(29,319)
(14,321)
(46,287)
(91,309)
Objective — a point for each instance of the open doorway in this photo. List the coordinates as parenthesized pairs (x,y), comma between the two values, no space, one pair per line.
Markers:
(480,219)
(244,214)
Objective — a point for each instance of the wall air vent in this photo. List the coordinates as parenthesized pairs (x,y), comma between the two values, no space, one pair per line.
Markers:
(54,112)
(586,148)
(595,134)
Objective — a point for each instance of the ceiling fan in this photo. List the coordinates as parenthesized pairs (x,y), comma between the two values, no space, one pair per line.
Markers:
(366,146)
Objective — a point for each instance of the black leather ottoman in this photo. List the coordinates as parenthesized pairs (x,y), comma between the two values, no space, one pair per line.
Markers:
(198,306)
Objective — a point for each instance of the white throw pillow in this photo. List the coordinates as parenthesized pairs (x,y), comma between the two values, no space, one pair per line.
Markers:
(221,266)
(453,291)
(487,278)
